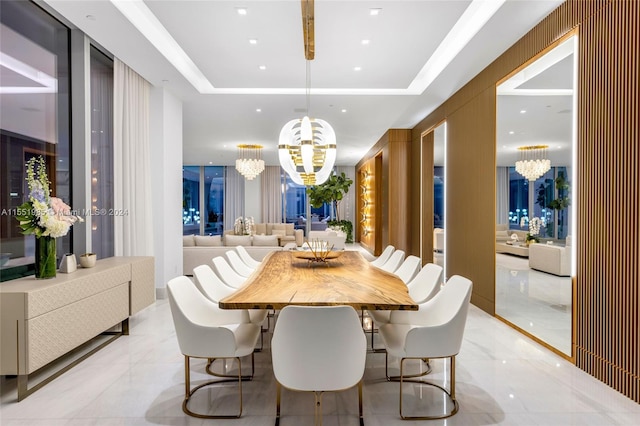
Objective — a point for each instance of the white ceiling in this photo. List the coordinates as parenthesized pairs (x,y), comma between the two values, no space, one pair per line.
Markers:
(215,37)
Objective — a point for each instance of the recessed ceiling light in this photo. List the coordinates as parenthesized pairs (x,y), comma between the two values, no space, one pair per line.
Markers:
(344,110)
(258,110)
(365,42)
(357,68)
(241,10)
(210,162)
(511,132)
(263,67)
(522,111)
(253,41)
(375,11)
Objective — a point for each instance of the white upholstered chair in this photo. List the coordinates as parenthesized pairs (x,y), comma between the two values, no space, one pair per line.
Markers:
(384,256)
(394,261)
(226,273)
(237,264)
(409,268)
(215,290)
(318,349)
(422,287)
(206,331)
(246,257)
(435,331)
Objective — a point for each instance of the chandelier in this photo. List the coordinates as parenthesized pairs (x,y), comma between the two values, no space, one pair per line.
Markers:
(307,146)
(533,162)
(249,163)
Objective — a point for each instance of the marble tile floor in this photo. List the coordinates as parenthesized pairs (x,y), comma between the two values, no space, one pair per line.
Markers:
(503,378)
(535,301)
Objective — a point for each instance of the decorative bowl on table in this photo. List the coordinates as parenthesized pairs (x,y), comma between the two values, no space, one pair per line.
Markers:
(317,251)
(88,260)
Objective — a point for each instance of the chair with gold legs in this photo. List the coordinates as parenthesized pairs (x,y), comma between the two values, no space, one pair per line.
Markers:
(206,331)
(318,349)
(435,331)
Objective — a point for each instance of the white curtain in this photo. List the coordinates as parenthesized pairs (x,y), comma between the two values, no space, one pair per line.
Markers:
(233,196)
(133,227)
(347,207)
(271,189)
(502,195)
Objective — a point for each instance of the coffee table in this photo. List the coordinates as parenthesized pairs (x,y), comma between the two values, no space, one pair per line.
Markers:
(518,249)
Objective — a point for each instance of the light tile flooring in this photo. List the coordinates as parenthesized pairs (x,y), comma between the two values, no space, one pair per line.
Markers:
(535,301)
(503,378)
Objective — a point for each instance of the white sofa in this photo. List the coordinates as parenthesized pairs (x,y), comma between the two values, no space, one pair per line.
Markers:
(199,250)
(335,238)
(551,258)
(285,231)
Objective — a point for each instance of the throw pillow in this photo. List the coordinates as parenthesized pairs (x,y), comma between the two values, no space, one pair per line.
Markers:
(237,240)
(208,240)
(188,241)
(265,240)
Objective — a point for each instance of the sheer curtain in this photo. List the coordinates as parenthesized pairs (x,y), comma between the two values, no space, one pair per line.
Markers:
(347,207)
(271,194)
(502,195)
(132,178)
(233,196)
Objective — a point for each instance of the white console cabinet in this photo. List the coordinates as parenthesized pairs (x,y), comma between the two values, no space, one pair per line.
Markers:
(41,320)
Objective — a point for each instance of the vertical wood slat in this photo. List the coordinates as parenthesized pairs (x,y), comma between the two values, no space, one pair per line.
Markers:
(607,297)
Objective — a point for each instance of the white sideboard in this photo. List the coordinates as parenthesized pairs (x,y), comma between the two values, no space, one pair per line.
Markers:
(41,320)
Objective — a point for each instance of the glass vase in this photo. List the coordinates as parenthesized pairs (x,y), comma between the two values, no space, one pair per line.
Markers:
(45,262)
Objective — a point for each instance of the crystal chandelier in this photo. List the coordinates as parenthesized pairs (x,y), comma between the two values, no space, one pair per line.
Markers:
(307,146)
(533,162)
(249,163)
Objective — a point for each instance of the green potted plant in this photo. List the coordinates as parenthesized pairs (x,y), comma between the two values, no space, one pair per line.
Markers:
(332,191)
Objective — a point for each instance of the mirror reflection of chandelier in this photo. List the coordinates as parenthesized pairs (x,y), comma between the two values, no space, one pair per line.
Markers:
(533,162)
(307,146)
(249,163)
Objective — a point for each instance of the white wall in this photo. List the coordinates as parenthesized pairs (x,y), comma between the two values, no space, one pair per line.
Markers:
(166,187)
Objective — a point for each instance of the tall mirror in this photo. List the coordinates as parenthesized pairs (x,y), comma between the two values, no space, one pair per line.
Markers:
(439,134)
(534,190)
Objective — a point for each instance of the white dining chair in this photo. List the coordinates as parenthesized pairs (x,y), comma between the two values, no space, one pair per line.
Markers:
(237,264)
(226,273)
(435,331)
(246,257)
(205,331)
(384,256)
(215,290)
(409,268)
(318,349)
(394,261)
(422,287)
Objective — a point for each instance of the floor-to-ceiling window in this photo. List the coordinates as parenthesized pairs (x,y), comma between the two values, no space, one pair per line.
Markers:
(202,200)
(102,223)
(34,121)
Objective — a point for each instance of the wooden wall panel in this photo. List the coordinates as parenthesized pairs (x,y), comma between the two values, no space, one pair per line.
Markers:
(608,273)
(470,187)
(606,295)
(366,205)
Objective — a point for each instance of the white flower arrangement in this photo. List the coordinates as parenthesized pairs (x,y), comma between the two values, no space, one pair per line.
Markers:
(244,226)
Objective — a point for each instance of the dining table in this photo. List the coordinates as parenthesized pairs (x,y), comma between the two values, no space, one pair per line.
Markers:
(286,278)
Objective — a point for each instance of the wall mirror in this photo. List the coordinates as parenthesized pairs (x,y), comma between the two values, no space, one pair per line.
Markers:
(534,191)
(439,135)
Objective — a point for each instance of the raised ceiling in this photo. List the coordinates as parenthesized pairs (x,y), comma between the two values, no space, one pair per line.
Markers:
(386,92)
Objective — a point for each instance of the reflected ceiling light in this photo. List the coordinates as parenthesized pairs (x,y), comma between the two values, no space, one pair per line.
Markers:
(533,162)
(307,146)
(249,163)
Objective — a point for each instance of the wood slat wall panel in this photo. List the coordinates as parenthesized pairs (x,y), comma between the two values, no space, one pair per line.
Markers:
(607,297)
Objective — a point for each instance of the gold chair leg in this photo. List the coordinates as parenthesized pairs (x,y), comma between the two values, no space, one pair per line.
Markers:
(190,392)
(278,392)
(397,378)
(248,377)
(451,394)
(318,408)
(360,402)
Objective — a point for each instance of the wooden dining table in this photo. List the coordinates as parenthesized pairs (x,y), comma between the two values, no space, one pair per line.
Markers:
(283,279)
